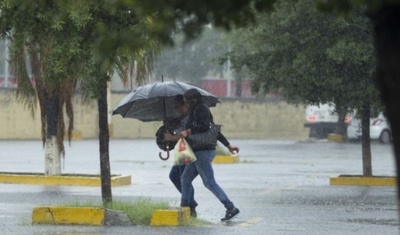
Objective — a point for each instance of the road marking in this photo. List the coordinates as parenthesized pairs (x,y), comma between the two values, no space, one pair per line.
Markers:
(251,222)
(271,191)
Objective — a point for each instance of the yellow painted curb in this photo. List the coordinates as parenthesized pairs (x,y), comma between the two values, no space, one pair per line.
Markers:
(68,215)
(226,159)
(65,180)
(335,137)
(173,217)
(363,181)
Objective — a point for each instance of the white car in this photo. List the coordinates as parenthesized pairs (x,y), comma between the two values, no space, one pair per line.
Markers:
(322,120)
(379,129)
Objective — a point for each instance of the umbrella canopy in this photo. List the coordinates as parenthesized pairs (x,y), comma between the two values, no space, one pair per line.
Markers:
(157,101)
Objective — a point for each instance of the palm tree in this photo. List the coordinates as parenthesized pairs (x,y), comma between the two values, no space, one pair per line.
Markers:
(62,49)
(49,79)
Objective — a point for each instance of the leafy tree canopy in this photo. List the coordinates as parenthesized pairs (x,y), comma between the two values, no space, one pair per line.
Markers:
(346,6)
(309,56)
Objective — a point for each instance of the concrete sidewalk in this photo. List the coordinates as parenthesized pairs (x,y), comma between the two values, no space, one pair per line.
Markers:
(281,187)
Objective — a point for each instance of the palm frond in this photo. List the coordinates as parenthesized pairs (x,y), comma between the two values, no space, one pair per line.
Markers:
(25,88)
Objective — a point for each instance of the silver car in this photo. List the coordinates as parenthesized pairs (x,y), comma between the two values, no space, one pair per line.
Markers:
(379,129)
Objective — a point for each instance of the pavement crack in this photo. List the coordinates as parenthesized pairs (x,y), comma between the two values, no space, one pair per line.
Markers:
(52,215)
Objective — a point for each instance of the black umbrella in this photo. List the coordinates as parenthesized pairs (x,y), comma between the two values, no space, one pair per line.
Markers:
(157,101)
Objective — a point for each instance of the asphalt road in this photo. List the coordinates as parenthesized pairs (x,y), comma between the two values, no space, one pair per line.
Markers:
(281,187)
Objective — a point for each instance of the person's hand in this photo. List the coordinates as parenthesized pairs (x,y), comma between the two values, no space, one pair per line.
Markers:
(233,149)
(185,133)
(170,137)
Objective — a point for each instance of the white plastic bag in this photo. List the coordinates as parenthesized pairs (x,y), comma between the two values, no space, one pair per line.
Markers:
(183,153)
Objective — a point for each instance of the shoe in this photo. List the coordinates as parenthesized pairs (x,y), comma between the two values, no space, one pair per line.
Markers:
(230,214)
(193,212)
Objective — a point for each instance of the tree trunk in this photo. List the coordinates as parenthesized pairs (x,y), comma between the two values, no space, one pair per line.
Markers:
(52,157)
(342,125)
(104,138)
(238,77)
(386,23)
(366,140)
(52,153)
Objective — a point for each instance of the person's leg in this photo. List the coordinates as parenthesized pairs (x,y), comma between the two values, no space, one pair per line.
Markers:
(187,177)
(175,177)
(194,204)
(206,172)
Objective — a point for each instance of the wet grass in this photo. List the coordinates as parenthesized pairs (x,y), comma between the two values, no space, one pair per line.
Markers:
(139,211)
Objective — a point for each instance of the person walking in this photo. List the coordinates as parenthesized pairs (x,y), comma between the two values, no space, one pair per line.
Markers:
(173,136)
(199,121)
(176,172)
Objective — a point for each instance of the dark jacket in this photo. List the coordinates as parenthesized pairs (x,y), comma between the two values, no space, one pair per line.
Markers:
(199,121)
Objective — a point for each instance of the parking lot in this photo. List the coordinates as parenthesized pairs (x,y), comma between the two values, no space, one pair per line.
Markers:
(281,187)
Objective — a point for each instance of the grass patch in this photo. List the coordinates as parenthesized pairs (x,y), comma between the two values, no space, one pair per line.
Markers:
(139,211)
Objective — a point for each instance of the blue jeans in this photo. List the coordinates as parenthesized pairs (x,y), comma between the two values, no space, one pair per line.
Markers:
(175,176)
(203,167)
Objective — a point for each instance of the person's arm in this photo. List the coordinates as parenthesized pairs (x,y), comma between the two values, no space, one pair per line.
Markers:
(232,148)
(173,135)
(170,137)
(221,138)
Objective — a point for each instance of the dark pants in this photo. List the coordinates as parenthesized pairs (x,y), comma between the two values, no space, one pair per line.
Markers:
(175,177)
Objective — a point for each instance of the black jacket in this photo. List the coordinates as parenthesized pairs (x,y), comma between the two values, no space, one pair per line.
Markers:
(199,121)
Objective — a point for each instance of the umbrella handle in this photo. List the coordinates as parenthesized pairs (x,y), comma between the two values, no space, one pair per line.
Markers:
(162,158)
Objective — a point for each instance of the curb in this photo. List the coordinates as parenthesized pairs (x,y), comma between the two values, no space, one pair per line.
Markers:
(64,180)
(173,217)
(358,180)
(78,216)
(335,137)
(94,216)
(226,158)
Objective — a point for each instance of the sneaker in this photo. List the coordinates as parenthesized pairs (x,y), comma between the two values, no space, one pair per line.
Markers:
(230,214)
(193,212)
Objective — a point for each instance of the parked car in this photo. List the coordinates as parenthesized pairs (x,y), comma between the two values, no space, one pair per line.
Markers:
(322,120)
(379,129)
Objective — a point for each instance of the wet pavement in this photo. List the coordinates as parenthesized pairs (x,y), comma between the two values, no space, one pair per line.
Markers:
(281,187)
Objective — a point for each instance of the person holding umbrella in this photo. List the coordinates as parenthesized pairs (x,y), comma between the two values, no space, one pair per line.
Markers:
(176,172)
(174,127)
(199,121)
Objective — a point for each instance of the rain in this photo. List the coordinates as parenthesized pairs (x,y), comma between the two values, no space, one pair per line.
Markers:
(288,90)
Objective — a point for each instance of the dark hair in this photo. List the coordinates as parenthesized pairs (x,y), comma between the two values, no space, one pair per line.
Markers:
(180,100)
(193,96)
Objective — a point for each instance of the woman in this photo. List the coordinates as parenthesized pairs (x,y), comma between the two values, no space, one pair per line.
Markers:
(199,121)
(177,171)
